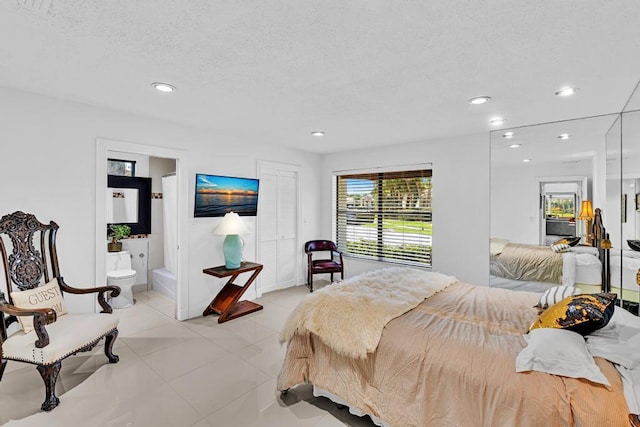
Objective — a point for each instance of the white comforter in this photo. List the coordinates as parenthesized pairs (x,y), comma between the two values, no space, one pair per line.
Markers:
(619,343)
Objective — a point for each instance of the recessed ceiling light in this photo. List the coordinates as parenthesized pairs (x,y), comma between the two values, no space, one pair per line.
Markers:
(564,136)
(479,100)
(317,133)
(497,121)
(508,135)
(566,91)
(163,87)
(526,160)
(515,146)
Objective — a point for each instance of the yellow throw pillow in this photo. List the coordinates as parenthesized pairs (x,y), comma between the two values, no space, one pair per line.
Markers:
(584,313)
(45,296)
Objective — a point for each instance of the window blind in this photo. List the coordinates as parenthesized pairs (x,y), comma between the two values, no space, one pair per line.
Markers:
(385,216)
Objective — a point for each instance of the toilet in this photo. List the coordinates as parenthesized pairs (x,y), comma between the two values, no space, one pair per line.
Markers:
(120,273)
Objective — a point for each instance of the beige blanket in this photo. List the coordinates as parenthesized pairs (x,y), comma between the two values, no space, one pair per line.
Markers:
(528,262)
(365,303)
(451,362)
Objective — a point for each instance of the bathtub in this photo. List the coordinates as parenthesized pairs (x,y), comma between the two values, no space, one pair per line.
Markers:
(164,282)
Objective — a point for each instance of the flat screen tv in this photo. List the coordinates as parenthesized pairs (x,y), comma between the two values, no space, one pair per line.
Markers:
(216,195)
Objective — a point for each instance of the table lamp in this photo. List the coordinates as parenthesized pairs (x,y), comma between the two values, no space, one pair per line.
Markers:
(232,226)
(586,215)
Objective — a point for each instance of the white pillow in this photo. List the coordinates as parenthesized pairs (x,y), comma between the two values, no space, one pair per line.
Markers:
(559,352)
(560,247)
(44,296)
(556,294)
(497,245)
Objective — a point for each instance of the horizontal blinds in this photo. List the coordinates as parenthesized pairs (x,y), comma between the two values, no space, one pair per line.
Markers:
(386,216)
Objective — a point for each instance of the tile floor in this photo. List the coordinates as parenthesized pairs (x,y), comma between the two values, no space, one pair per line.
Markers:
(195,373)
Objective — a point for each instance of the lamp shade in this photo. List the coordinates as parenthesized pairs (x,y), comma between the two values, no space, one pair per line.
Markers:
(586,211)
(231,224)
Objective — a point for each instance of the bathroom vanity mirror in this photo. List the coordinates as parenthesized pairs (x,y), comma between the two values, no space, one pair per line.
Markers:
(122,205)
(129,202)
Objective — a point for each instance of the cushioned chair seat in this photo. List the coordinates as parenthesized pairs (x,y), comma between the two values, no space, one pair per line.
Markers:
(68,334)
(322,264)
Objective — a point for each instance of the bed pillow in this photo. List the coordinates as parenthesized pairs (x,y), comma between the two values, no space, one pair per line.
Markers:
(571,241)
(560,247)
(583,313)
(554,295)
(559,352)
(44,296)
(497,245)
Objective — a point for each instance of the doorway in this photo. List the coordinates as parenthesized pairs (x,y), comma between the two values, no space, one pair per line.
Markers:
(560,200)
(103,148)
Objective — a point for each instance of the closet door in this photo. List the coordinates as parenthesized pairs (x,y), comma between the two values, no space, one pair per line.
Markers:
(278,226)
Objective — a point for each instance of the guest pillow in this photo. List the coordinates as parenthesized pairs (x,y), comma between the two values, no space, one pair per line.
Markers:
(559,352)
(45,296)
(583,313)
(554,295)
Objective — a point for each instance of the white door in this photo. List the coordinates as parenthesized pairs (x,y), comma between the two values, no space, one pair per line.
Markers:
(278,226)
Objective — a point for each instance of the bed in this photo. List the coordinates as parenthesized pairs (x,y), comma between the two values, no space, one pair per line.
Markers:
(448,361)
(625,265)
(534,268)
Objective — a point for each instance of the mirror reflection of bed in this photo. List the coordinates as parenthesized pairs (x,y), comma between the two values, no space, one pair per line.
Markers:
(537,202)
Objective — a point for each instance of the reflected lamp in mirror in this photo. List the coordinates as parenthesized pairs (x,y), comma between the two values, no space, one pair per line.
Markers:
(586,215)
(232,226)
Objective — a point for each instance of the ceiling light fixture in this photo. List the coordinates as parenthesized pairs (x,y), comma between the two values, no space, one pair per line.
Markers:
(479,100)
(497,121)
(163,87)
(508,135)
(317,133)
(515,146)
(566,91)
(564,136)
(526,160)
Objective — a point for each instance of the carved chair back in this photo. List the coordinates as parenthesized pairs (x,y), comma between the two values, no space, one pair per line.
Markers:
(29,257)
(320,245)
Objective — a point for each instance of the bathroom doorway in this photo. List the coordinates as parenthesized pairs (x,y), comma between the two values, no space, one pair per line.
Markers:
(165,265)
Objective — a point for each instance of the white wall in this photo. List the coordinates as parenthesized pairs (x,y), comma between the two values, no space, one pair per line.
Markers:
(515,198)
(460,200)
(48,169)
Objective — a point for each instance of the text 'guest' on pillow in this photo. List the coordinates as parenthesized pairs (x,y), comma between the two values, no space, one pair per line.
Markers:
(45,296)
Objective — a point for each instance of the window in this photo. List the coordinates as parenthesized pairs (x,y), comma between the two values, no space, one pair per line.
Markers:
(121,167)
(386,216)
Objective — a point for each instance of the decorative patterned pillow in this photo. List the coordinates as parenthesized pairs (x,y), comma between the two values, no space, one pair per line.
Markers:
(554,295)
(583,313)
(560,247)
(571,241)
(44,296)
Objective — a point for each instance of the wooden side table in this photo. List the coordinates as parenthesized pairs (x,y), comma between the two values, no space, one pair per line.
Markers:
(226,303)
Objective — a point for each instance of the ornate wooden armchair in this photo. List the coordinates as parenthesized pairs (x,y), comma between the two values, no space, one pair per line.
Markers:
(32,277)
(326,265)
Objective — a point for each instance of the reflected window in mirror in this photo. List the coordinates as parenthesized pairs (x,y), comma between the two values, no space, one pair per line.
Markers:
(121,167)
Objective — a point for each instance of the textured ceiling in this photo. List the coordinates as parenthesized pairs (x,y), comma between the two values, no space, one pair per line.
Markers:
(367,72)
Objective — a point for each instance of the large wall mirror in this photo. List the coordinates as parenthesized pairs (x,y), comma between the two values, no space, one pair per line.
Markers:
(540,177)
(543,179)
(623,198)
